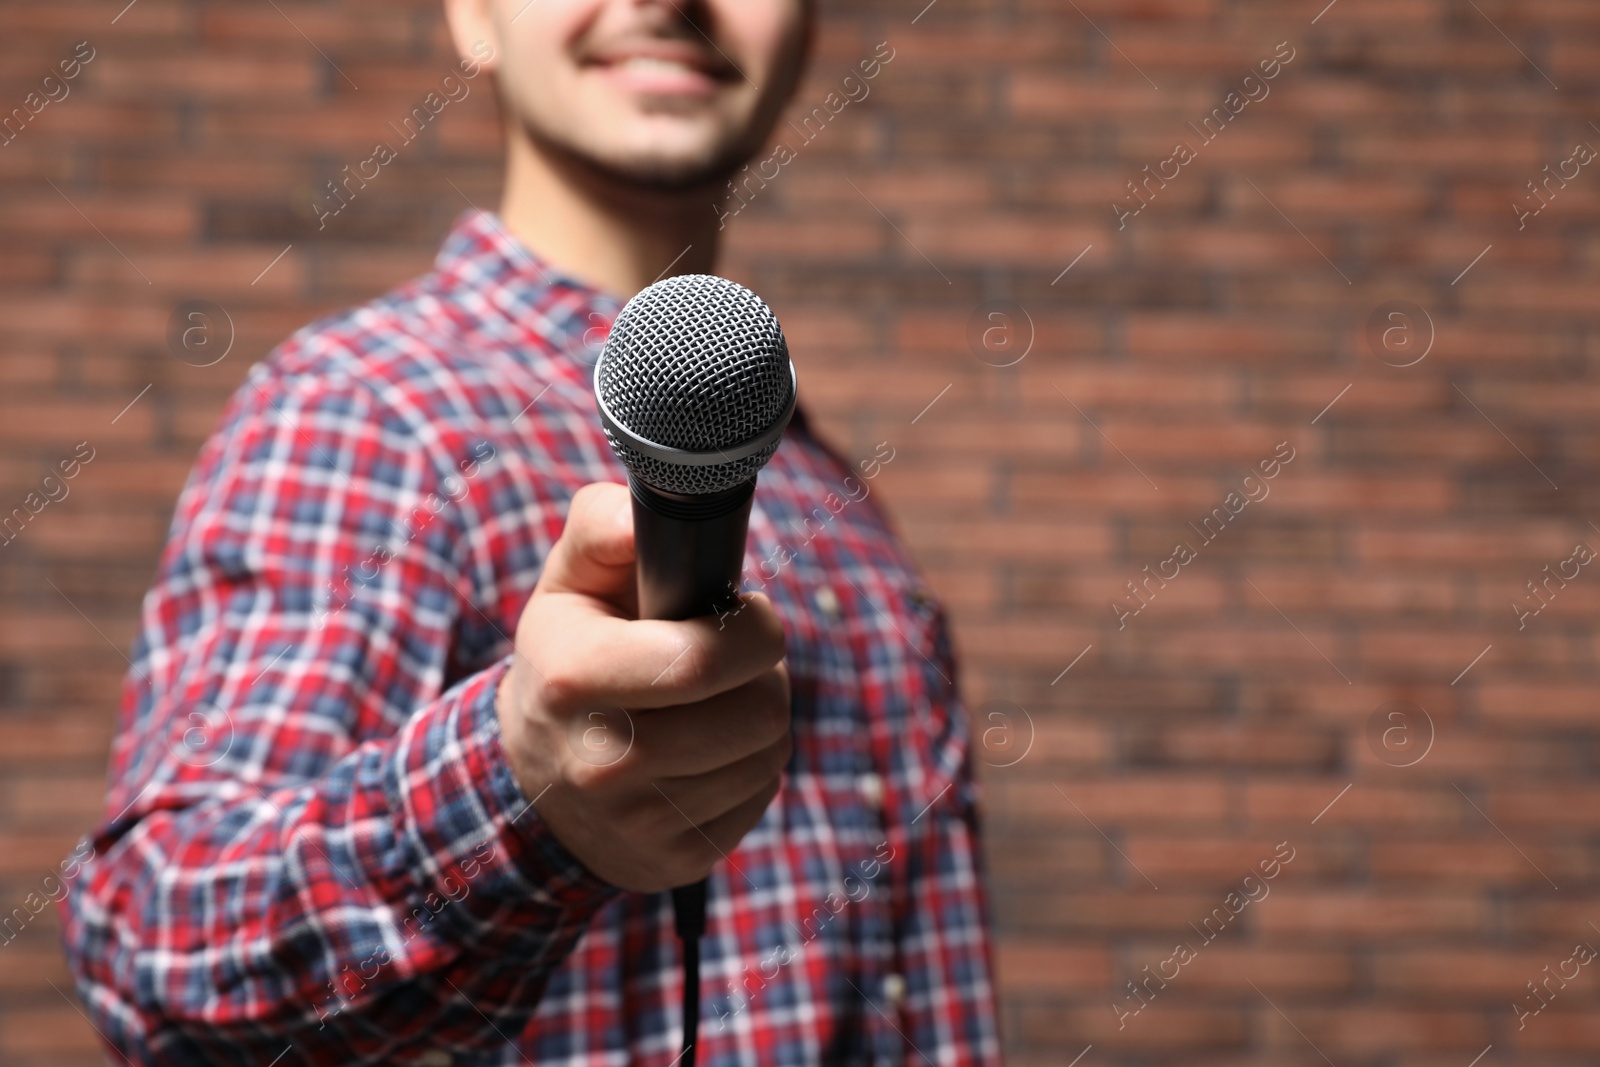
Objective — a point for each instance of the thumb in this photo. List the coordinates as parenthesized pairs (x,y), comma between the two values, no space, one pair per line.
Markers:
(594,555)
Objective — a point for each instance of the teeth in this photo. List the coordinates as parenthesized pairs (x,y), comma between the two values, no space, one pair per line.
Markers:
(651,63)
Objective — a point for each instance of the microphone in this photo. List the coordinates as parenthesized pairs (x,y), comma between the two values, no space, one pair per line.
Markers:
(695,389)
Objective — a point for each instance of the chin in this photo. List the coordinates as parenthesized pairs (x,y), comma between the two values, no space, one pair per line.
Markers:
(661,163)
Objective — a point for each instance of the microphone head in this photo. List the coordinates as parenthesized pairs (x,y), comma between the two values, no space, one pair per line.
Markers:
(695,386)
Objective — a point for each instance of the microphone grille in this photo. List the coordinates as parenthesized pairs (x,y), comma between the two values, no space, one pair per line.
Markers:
(699,364)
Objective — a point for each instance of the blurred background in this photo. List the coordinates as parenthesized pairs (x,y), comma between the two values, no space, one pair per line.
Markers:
(1380,262)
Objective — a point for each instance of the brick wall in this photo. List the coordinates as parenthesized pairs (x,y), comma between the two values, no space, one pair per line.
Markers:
(1330,686)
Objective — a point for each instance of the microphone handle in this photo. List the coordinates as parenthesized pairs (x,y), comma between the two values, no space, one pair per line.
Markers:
(690,554)
(690,549)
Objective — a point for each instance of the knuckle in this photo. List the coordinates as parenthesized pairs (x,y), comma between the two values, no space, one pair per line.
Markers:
(559,682)
(764,632)
(642,748)
(584,501)
(774,643)
(562,690)
(769,793)
(711,846)
(706,854)
(691,853)
(773,759)
(775,711)
(694,668)
(586,777)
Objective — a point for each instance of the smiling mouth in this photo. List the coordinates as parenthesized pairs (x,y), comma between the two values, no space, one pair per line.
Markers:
(657,65)
(663,69)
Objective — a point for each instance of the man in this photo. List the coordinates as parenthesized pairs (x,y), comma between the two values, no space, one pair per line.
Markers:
(353,821)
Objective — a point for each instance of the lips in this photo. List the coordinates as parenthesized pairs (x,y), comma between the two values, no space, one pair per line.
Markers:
(661,68)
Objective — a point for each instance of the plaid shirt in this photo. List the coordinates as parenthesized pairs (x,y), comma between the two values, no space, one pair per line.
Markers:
(315,850)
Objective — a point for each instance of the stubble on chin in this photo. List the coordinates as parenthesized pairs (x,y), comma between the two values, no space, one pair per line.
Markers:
(644,170)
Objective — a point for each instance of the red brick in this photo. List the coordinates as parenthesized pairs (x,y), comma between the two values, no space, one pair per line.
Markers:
(1056,743)
(1144,798)
(231,274)
(27,857)
(1380,1030)
(1439,973)
(1022,641)
(1562,1028)
(1455,543)
(1544,917)
(1198,859)
(1456,754)
(46,1030)
(1231,246)
(212,75)
(1224,967)
(1281,804)
(1418,15)
(28,966)
(1098,910)
(1393,592)
(329,28)
(1513,702)
(809,238)
(1456,862)
(39,802)
(94,217)
(1102,387)
(1033,968)
(1107,488)
(1269,645)
(1445,148)
(1191,336)
(1236,745)
(1019,539)
(1050,861)
(1173,1028)
(81,737)
(966,239)
(1044,93)
(1544,807)
(1045,36)
(1345,914)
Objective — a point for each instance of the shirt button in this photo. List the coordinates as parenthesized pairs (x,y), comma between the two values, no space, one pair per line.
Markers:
(827,603)
(870,786)
(894,989)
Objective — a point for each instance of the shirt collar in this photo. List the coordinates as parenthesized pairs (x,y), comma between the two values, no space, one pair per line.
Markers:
(519,294)
(493,274)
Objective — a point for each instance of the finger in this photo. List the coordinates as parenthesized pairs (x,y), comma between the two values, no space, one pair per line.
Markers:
(728,829)
(594,555)
(587,657)
(703,797)
(697,738)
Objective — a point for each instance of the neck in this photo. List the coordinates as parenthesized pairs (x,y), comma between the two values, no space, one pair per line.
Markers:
(616,237)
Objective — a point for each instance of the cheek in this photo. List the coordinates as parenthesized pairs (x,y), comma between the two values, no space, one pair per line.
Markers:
(558,21)
(766,33)
(540,42)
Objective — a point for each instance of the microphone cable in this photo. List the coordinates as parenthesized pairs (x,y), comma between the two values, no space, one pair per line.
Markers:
(689,917)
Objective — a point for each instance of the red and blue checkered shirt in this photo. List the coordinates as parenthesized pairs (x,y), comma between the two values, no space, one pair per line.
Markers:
(315,850)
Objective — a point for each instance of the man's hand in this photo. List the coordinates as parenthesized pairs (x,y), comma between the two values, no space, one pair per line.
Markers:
(653,747)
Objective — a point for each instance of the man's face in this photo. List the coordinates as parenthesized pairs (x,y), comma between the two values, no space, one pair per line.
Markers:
(662,93)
